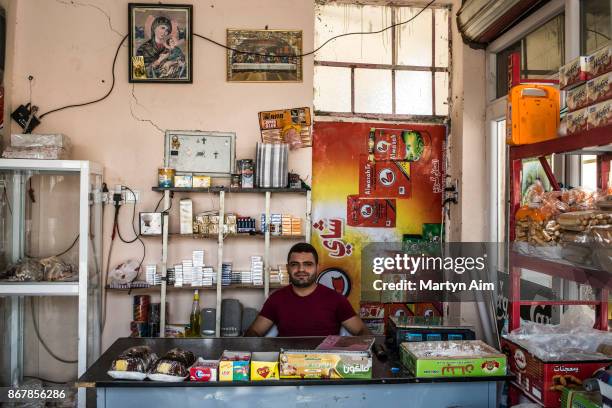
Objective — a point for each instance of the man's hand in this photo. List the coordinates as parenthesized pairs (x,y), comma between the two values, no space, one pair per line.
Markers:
(260,327)
(355,326)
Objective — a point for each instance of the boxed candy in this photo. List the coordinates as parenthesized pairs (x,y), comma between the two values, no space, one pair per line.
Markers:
(600,62)
(576,98)
(325,364)
(576,121)
(264,366)
(204,370)
(599,115)
(600,88)
(573,72)
(234,366)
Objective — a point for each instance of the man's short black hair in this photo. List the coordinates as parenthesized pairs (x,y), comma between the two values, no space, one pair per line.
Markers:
(304,247)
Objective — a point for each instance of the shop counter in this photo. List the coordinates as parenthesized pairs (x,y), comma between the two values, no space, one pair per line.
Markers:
(385,388)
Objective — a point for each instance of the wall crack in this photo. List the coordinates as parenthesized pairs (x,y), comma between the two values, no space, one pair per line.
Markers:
(77,4)
(139,118)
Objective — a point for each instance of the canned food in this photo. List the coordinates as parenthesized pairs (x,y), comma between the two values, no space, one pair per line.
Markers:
(165,177)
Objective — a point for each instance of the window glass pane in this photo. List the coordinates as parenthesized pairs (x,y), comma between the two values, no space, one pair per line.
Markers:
(544,49)
(414,38)
(589,171)
(332,89)
(441,93)
(441,45)
(413,92)
(336,19)
(595,24)
(502,68)
(373,90)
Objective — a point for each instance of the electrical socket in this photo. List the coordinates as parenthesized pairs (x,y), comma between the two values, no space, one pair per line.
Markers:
(128,197)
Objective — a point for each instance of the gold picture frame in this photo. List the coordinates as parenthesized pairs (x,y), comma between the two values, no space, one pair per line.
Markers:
(272,59)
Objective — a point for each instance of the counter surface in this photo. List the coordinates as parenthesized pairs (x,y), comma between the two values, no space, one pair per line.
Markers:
(211,348)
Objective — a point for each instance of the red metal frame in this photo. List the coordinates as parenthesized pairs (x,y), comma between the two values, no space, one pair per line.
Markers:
(595,278)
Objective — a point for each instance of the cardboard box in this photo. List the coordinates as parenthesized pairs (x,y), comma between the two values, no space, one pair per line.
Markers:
(204,370)
(383,178)
(600,88)
(418,359)
(576,121)
(234,366)
(544,380)
(201,181)
(370,212)
(371,310)
(183,180)
(186,216)
(577,98)
(599,115)
(264,366)
(325,364)
(599,62)
(573,72)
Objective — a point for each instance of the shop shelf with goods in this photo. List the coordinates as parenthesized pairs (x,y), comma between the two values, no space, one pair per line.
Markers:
(223,193)
(47,208)
(597,142)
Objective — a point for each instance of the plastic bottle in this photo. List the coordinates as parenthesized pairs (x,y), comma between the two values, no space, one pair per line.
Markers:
(194,318)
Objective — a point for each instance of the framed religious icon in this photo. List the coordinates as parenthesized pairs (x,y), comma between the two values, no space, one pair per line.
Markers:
(160,43)
(264,55)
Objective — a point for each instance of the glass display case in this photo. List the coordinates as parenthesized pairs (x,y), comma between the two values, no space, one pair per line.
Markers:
(50,247)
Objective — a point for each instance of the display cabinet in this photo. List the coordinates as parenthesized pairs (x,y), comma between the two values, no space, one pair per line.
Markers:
(51,214)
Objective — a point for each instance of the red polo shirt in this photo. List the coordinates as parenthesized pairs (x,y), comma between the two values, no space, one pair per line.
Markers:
(318,314)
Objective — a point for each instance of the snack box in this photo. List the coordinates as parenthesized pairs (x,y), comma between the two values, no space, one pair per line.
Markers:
(573,72)
(234,366)
(468,358)
(183,180)
(599,89)
(372,310)
(401,331)
(325,364)
(201,181)
(600,62)
(577,98)
(544,380)
(264,366)
(572,397)
(204,370)
(576,121)
(599,115)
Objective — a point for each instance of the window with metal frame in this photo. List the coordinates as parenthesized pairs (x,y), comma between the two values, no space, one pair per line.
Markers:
(594,25)
(401,73)
(542,53)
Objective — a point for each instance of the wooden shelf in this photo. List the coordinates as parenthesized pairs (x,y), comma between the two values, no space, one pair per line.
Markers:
(218,189)
(587,142)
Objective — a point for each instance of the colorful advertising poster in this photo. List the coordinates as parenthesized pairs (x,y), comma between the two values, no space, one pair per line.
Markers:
(373,182)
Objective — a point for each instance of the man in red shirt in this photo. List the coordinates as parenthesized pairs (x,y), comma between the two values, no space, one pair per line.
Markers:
(305,308)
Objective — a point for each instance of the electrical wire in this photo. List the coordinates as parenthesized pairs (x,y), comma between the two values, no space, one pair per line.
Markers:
(239,52)
(158,203)
(46,347)
(320,46)
(136,234)
(97,100)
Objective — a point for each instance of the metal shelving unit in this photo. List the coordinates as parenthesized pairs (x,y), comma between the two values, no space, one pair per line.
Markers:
(221,191)
(595,142)
(15,174)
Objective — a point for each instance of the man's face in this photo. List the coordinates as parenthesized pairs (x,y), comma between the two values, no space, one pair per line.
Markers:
(302,269)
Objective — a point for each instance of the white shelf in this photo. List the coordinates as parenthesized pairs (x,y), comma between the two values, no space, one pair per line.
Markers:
(39,288)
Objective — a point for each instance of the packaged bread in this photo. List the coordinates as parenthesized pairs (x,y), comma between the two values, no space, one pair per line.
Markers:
(599,115)
(599,62)
(599,89)
(132,364)
(581,220)
(576,98)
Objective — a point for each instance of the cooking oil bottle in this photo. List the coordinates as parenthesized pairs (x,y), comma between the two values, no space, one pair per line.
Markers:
(194,318)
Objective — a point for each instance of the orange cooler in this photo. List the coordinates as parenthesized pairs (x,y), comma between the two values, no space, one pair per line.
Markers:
(533,114)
